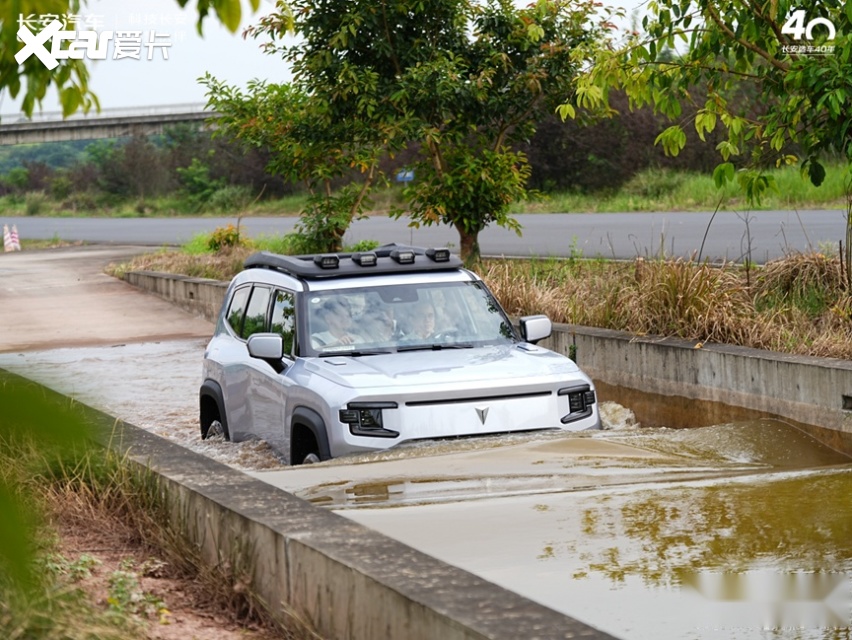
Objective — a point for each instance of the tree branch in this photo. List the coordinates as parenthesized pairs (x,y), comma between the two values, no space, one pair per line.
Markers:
(783,66)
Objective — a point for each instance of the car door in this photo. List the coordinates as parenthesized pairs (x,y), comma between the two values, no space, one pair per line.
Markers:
(269,385)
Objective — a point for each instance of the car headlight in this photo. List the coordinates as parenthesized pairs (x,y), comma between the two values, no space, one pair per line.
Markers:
(366,419)
(581,397)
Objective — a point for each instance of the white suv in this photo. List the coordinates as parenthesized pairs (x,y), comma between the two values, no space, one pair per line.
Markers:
(328,355)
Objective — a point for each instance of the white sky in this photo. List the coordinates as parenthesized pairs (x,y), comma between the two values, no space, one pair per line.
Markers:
(130,83)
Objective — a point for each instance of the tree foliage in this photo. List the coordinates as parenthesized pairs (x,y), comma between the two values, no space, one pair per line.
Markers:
(799,60)
(71,77)
(462,80)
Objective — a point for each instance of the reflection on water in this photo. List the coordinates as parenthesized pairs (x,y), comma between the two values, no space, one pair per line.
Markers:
(730,531)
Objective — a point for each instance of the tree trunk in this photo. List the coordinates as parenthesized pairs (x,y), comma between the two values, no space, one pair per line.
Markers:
(469,246)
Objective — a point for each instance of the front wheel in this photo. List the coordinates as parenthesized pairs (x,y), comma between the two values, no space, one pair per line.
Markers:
(212,423)
(216,430)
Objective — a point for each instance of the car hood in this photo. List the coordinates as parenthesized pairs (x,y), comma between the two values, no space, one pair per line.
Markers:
(471,367)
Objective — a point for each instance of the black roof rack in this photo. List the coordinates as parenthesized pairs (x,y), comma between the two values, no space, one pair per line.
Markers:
(389,258)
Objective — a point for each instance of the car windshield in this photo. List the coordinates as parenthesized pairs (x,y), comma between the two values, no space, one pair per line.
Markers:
(405,317)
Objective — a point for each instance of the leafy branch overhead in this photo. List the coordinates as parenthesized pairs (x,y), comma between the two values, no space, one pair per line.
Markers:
(697,56)
(32,79)
(802,75)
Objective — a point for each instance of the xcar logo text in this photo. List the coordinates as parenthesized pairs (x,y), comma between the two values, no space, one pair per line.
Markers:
(81,44)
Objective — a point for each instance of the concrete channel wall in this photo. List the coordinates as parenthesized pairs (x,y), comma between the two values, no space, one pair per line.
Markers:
(665,381)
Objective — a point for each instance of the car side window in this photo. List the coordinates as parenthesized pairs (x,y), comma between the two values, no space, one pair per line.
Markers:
(255,321)
(236,310)
(284,319)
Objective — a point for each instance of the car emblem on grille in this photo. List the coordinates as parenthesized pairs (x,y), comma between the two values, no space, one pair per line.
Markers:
(483,414)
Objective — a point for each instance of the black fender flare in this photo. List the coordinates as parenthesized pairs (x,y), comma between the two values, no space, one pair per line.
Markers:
(313,421)
(211,389)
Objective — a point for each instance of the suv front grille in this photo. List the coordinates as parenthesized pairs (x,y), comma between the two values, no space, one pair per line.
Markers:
(514,396)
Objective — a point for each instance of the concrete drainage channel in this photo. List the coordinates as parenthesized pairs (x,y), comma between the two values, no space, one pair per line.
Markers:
(311,565)
(352,582)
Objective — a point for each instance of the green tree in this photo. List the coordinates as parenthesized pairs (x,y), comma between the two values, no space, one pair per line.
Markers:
(71,77)
(799,59)
(307,144)
(461,79)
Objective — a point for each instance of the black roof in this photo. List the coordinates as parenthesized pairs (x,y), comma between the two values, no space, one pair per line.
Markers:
(389,258)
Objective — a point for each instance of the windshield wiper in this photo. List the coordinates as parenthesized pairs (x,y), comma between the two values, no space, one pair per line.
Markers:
(354,353)
(436,346)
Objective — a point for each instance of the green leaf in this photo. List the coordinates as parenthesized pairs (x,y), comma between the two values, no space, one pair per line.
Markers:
(229,12)
(816,173)
(70,99)
(566,111)
(673,140)
(723,174)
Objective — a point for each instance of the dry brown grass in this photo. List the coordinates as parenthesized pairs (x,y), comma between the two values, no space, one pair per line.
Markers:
(797,304)
(222,265)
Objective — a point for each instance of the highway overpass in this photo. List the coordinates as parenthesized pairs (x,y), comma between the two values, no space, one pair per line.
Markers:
(108,123)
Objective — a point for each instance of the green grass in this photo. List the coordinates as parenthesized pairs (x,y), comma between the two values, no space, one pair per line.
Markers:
(649,190)
(662,190)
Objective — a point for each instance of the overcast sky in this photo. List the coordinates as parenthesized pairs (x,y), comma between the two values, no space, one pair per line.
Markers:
(128,83)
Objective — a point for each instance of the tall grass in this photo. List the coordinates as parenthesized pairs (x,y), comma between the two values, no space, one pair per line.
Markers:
(797,304)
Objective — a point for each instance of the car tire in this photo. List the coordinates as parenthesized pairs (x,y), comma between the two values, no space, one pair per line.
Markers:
(216,429)
(311,458)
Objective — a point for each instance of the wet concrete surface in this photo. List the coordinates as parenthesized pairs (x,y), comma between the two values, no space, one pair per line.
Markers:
(630,529)
(62,297)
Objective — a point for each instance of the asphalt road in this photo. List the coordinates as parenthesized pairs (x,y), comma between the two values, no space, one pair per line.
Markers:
(760,235)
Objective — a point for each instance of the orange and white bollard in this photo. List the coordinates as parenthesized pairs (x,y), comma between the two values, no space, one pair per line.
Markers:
(7,239)
(16,243)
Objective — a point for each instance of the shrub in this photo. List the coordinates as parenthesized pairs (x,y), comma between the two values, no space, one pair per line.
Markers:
(230,198)
(224,238)
(80,201)
(60,187)
(35,202)
(654,183)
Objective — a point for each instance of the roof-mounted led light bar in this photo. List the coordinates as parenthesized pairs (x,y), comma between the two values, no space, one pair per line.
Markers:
(391,258)
(329,261)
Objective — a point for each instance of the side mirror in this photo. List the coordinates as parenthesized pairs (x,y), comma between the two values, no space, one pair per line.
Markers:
(535,328)
(266,346)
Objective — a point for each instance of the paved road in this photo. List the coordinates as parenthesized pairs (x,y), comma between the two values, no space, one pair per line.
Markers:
(767,234)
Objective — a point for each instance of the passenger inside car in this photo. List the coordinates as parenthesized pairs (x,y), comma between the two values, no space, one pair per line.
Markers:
(422,321)
(337,318)
(377,324)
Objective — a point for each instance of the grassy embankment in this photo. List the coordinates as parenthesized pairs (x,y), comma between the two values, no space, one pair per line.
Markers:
(650,190)
(53,481)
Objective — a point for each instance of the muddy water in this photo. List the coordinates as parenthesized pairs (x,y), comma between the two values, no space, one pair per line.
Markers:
(153,385)
(737,530)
